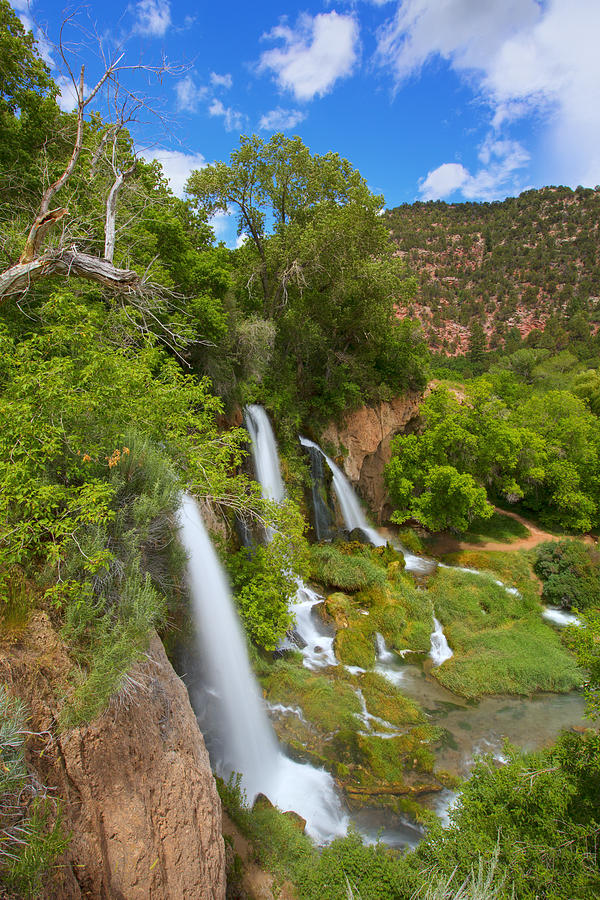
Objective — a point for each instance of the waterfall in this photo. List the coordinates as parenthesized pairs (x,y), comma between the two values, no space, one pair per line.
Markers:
(354,516)
(352,512)
(264,454)
(237,720)
(440,650)
(322,516)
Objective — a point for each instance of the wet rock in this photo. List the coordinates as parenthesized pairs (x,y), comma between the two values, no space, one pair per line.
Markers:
(296,820)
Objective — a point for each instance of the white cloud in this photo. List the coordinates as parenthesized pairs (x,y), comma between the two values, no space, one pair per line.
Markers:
(67,96)
(224,81)
(189,95)
(501,161)
(177,166)
(153,17)
(319,51)
(241,240)
(524,57)
(232,118)
(281,119)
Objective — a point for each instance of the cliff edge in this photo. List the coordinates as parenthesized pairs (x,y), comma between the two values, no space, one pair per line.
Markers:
(139,797)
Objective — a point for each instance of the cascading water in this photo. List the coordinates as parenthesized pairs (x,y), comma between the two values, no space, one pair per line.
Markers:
(317,645)
(440,650)
(354,516)
(238,722)
(264,454)
(322,515)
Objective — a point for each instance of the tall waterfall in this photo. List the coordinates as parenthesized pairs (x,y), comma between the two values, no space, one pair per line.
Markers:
(264,454)
(237,719)
(322,515)
(354,516)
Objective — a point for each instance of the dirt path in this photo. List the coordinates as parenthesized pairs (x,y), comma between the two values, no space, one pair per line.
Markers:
(446,543)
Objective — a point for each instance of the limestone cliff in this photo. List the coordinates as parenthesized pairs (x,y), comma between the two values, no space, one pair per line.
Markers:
(362,445)
(138,792)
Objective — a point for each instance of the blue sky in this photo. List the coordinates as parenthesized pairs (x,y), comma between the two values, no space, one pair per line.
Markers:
(450,99)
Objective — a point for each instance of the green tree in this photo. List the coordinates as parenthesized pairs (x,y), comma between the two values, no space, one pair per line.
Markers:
(319,264)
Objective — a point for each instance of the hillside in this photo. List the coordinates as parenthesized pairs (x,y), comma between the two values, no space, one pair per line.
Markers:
(507,265)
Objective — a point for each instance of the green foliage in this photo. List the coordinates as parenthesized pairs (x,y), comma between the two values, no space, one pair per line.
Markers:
(499,641)
(540,810)
(542,449)
(32,836)
(317,266)
(570,574)
(585,641)
(335,565)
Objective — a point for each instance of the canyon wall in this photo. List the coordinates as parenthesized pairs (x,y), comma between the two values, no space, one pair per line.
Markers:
(138,793)
(361,445)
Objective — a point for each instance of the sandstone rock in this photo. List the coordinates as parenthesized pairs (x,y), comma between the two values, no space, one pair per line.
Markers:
(366,435)
(137,789)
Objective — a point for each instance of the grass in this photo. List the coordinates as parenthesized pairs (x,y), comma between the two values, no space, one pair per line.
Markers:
(348,567)
(328,703)
(499,527)
(500,643)
(386,701)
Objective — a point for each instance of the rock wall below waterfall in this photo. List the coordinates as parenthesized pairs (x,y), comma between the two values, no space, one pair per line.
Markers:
(139,797)
(361,445)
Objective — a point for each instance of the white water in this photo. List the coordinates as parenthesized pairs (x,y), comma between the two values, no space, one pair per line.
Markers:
(560,616)
(264,454)
(318,650)
(240,726)
(354,517)
(440,651)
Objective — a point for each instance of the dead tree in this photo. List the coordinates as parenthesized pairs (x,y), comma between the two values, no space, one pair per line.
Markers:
(37,262)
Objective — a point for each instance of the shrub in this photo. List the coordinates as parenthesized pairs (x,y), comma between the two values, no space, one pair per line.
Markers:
(570,574)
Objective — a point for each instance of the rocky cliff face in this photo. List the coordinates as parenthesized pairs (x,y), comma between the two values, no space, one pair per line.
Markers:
(139,795)
(362,445)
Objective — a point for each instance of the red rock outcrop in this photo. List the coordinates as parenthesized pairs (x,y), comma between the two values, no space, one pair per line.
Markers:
(138,793)
(362,445)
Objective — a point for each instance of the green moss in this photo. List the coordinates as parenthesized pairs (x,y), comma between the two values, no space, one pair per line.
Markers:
(328,703)
(386,701)
(344,566)
(354,648)
(500,643)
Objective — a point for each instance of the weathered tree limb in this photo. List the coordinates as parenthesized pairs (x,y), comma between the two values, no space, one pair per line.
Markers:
(70,263)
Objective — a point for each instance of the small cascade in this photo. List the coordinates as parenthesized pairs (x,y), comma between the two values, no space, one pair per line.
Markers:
(354,516)
(440,650)
(322,515)
(264,454)
(383,654)
(241,737)
(318,645)
(559,616)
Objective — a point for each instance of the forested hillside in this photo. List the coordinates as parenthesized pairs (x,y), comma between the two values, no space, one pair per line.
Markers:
(530,263)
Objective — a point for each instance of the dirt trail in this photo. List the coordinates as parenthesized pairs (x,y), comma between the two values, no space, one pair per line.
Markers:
(446,543)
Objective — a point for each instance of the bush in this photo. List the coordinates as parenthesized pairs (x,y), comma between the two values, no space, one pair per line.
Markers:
(570,574)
